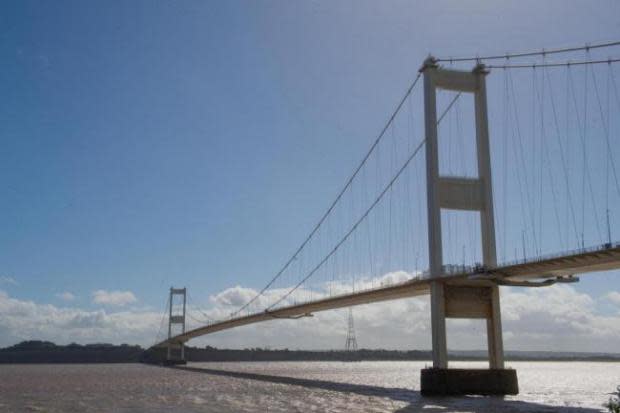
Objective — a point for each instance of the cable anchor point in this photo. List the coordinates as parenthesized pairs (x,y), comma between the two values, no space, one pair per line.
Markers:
(429,62)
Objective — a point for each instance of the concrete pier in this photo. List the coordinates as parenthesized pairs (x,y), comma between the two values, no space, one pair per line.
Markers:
(442,382)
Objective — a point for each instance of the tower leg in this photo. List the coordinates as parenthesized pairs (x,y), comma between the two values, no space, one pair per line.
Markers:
(438,326)
(494,332)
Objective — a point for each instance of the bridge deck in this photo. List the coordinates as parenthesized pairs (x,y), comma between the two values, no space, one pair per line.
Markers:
(604,258)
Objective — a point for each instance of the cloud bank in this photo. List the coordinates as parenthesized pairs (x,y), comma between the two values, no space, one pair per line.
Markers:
(555,318)
(614,297)
(27,320)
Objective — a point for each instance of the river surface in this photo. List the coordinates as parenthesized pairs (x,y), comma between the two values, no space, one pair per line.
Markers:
(576,387)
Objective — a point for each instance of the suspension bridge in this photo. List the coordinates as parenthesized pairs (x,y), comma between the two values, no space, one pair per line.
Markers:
(545,122)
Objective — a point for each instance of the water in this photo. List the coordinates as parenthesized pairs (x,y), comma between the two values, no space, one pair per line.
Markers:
(576,387)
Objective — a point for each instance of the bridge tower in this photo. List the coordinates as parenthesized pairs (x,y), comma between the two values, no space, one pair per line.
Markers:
(473,298)
(176,318)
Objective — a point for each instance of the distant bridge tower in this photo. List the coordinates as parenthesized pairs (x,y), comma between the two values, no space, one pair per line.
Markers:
(470,298)
(176,318)
(351,344)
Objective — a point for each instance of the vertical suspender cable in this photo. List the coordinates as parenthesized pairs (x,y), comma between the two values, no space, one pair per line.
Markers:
(584,148)
(521,151)
(585,172)
(609,158)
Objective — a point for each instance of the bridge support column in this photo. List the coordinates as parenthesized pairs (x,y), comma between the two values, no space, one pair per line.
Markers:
(176,351)
(494,332)
(469,299)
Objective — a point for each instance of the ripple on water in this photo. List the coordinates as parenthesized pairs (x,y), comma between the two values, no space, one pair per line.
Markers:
(574,387)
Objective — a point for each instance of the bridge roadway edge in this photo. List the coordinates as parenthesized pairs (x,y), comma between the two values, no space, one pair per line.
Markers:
(602,258)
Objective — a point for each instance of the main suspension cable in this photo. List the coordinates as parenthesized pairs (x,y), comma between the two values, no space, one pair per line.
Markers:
(338,197)
(161,324)
(366,213)
(553,64)
(204,314)
(542,52)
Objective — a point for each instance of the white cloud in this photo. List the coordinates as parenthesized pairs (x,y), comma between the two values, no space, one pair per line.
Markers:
(557,318)
(66,296)
(233,297)
(614,297)
(27,320)
(7,280)
(113,298)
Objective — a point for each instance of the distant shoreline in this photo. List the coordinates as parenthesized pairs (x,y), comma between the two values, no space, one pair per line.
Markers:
(43,352)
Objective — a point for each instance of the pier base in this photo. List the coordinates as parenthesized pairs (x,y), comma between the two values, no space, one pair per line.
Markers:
(437,382)
(174,362)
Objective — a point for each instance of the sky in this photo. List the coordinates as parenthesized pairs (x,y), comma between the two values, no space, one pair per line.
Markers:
(151,144)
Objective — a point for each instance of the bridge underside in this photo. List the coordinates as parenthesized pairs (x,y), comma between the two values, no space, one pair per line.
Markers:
(534,273)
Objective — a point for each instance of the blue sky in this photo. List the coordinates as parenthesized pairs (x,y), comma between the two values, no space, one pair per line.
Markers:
(150,144)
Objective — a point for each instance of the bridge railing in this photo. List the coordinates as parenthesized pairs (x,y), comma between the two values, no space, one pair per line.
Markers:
(595,248)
